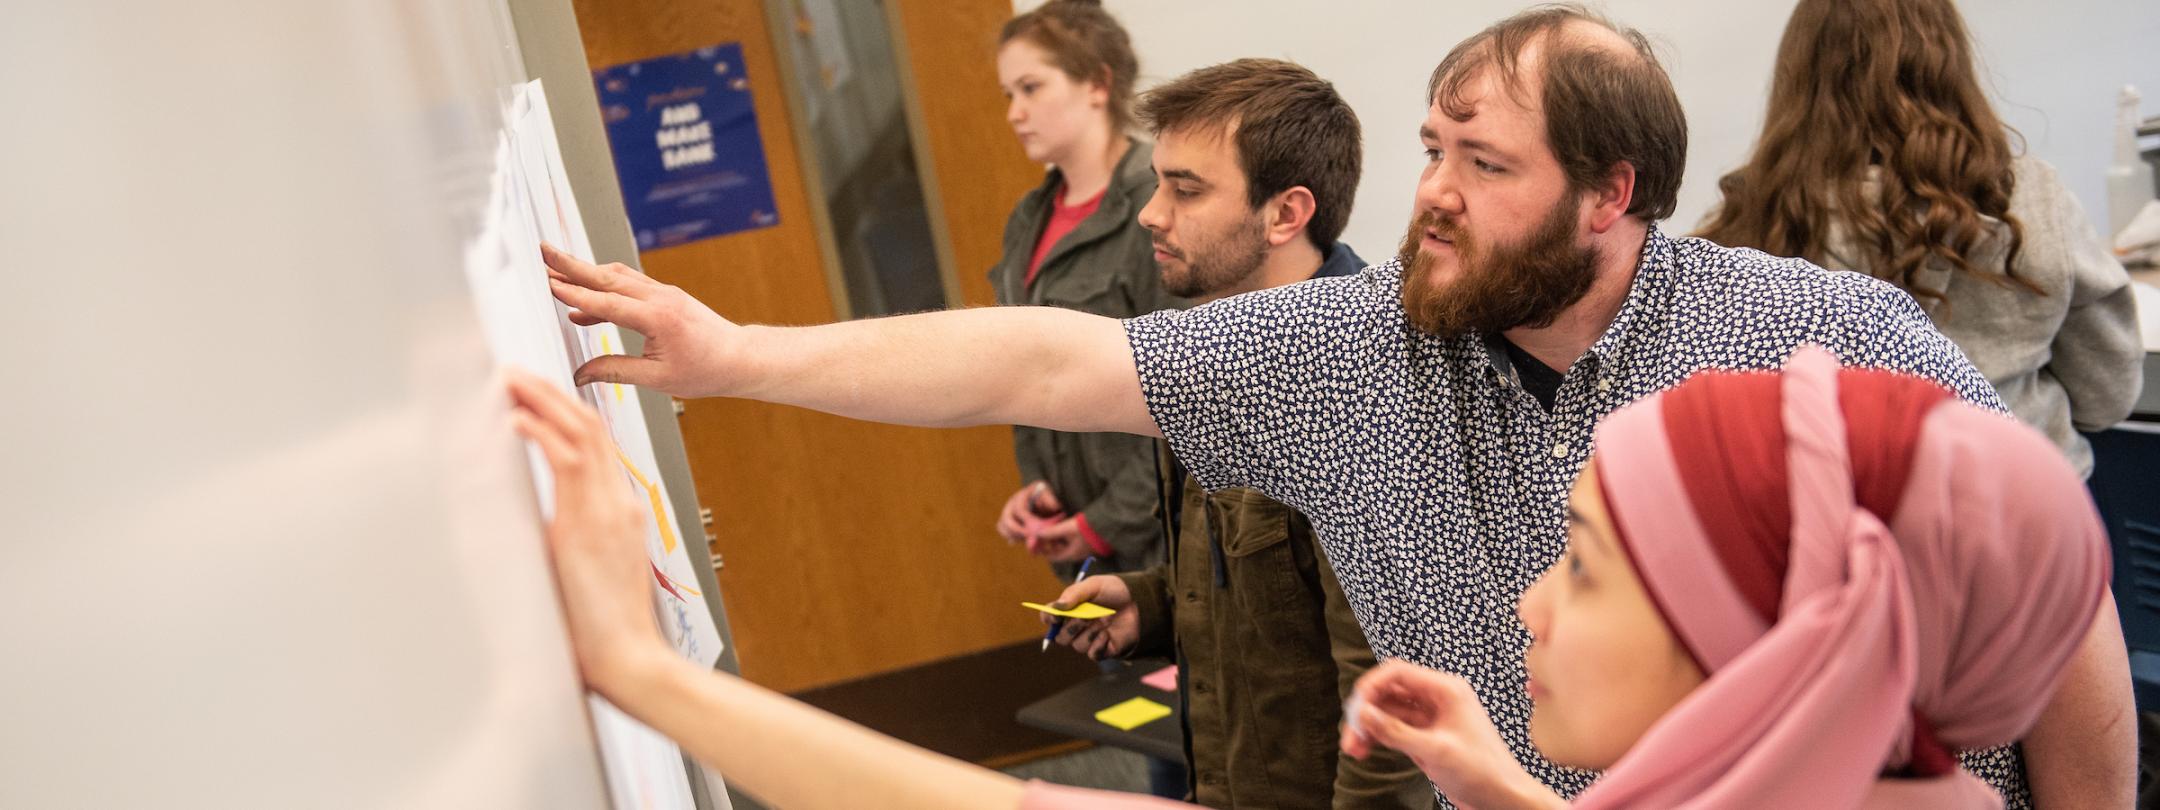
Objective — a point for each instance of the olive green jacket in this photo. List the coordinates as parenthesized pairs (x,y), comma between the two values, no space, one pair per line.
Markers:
(1268,649)
(1105,266)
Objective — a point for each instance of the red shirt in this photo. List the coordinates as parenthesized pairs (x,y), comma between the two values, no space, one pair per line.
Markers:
(1063,219)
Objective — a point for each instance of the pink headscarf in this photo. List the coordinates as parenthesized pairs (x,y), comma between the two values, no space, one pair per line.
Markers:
(1837,647)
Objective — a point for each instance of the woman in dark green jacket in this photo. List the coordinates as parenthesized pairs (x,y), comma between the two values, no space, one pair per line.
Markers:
(1067,70)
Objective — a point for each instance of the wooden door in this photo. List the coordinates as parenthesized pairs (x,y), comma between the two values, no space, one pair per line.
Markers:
(850,549)
(977,171)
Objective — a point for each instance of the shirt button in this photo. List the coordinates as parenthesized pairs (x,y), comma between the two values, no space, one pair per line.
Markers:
(1604,384)
(1559,450)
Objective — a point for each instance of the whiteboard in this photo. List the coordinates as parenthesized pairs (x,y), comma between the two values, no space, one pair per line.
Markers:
(529,201)
(268,540)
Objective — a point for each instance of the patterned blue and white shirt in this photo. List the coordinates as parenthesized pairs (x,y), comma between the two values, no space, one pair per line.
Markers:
(1437,485)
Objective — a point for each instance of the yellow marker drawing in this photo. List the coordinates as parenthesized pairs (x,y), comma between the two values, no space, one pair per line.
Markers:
(1084,610)
(607,346)
(659,512)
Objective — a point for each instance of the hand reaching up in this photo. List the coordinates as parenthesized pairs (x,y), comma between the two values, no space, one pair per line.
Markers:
(597,537)
(690,351)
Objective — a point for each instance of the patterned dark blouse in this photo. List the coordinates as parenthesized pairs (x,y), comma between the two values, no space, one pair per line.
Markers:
(1438,486)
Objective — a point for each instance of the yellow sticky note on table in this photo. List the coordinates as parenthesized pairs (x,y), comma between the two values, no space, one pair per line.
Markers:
(1084,610)
(1132,714)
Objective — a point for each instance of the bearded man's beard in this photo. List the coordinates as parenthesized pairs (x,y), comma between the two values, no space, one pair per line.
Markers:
(1213,266)
(1496,288)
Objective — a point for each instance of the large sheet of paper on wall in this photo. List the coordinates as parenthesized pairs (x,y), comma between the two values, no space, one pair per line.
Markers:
(526,327)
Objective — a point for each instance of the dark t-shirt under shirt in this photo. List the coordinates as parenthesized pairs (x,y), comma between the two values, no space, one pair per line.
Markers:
(1537,378)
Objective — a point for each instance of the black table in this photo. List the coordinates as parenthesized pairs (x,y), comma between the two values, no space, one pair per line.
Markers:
(1072,712)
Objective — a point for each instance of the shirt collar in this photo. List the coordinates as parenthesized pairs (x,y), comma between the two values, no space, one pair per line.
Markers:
(1648,295)
(1337,261)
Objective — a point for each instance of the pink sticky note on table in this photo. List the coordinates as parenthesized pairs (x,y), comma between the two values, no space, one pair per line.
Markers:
(1164,679)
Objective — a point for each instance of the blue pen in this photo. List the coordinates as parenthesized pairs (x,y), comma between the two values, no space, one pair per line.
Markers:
(1060,621)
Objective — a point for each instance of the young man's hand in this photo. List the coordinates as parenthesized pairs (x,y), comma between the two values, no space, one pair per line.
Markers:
(1099,638)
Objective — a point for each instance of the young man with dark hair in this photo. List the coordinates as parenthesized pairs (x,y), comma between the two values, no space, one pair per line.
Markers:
(1429,414)
(1257,162)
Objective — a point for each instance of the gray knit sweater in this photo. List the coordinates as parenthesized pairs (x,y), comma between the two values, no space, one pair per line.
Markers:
(2065,361)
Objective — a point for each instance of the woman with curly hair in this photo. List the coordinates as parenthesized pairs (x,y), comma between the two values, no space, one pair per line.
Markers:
(1880,153)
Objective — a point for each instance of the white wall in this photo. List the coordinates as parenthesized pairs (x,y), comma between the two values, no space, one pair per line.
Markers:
(267,539)
(2054,70)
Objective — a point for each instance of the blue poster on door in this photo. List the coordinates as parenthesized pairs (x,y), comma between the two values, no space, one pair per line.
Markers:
(686,146)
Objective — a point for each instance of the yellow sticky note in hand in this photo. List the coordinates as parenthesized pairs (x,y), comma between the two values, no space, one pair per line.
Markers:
(1084,610)
(1132,714)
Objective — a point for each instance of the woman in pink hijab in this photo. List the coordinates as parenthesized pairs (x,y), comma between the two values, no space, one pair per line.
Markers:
(1781,591)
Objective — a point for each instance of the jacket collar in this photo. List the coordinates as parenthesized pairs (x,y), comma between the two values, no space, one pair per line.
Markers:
(1135,170)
